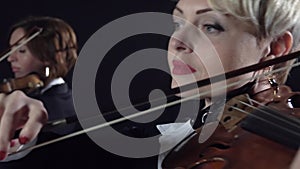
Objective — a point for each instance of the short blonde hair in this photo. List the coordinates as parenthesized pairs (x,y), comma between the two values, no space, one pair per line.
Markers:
(270,18)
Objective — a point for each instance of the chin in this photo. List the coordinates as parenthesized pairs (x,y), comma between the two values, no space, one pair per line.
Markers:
(18,75)
(173,84)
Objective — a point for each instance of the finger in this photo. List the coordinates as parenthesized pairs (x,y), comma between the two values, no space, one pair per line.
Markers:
(14,146)
(37,117)
(4,130)
(6,133)
(14,143)
(2,100)
(14,113)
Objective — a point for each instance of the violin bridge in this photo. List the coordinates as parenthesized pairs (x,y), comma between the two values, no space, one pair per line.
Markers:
(236,109)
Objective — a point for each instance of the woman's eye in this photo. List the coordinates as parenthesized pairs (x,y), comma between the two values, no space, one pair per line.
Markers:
(22,50)
(177,25)
(213,28)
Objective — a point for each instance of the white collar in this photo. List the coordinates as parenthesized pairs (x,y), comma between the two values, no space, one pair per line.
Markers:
(171,135)
(56,81)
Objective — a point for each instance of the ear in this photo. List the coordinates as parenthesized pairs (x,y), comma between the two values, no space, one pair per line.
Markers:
(282,45)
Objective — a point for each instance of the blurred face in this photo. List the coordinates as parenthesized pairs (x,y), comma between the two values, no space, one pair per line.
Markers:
(207,43)
(23,61)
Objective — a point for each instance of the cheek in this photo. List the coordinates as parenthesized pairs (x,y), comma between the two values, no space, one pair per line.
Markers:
(239,53)
(33,65)
(169,57)
(29,67)
(37,66)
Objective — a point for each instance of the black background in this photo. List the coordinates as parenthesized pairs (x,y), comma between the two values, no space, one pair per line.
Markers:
(86,17)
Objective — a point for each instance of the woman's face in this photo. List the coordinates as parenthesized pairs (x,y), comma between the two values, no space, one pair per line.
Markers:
(23,61)
(220,44)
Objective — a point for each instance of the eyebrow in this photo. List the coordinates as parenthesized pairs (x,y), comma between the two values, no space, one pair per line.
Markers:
(200,11)
(178,9)
(14,44)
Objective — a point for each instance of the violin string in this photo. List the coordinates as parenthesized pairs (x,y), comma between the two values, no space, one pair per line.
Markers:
(19,45)
(267,113)
(135,115)
(268,122)
(265,120)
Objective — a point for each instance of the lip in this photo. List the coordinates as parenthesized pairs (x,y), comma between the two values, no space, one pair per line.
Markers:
(180,68)
(15,69)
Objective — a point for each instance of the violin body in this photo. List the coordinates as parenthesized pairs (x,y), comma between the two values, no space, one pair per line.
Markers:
(224,150)
(27,83)
(270,140)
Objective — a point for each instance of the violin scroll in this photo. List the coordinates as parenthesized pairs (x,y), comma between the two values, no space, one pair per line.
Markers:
(282,98)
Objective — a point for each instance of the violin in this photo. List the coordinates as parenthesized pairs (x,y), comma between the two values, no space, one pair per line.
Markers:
(258,133)
(27,84)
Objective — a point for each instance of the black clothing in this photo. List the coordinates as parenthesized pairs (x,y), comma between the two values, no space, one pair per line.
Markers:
(76,152)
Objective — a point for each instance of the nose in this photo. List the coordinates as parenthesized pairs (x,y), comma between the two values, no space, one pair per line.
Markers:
(180,44)
(12,57)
